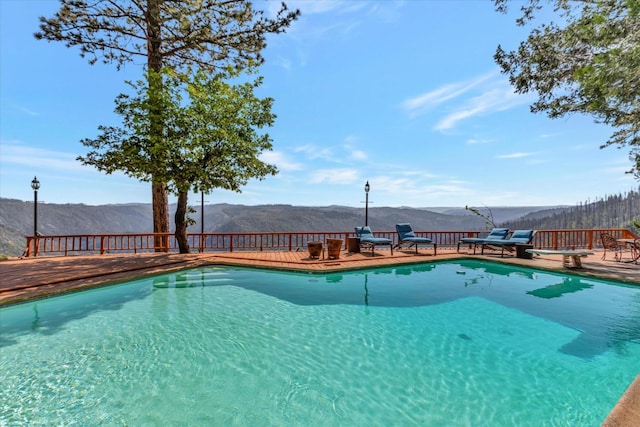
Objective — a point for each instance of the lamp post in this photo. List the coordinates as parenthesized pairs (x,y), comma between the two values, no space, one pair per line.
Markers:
(35,184)
(367,187)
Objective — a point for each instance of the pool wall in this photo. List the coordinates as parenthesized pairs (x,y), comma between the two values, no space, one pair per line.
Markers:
(626,413)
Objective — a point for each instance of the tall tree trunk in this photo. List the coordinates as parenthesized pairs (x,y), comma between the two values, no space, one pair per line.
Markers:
(160,198)
(160,215)
(181,223)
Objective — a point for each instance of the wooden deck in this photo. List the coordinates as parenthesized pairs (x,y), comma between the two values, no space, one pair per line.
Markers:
(31,278)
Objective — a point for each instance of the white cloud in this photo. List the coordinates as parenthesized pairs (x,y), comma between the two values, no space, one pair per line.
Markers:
(421,103)
(26,110)
(478,141)
(314,152)
(494,99)
(514,155)
(280,160)
(358,155)
(353,152)
(334,176)
(485,94)
(22,155)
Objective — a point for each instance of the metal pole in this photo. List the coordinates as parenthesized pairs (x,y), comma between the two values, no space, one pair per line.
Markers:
(366,210)
(367,187)
(35,184)
(35,213)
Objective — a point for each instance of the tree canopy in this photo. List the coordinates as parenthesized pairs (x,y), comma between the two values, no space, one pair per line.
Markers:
(586,62)
(211,135)
(176,34)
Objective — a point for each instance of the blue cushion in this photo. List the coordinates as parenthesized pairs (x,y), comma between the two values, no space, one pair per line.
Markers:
(406,234)
(404,230)
(498,233)
(473,240)
(495,234)
(521,234)
(364,231)
(376,240)
(417,239)
(518,236)
(366,235)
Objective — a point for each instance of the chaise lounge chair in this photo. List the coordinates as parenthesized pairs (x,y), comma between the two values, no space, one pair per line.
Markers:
(367,240)
(495,234)
(519,237)
(406,237)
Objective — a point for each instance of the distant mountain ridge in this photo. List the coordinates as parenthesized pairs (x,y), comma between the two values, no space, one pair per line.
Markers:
(16,219)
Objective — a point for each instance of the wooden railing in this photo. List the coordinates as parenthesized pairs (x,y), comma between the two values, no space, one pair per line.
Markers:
(278,241)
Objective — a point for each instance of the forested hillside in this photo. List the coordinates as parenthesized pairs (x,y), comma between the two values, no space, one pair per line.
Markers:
(616,211)
(16,218)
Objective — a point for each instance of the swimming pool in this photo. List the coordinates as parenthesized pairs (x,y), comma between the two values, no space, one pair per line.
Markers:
(448,343)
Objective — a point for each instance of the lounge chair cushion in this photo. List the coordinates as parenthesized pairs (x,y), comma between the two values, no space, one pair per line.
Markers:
(365,235)
(521,236)
(495,234)
(518,236)
(406,234)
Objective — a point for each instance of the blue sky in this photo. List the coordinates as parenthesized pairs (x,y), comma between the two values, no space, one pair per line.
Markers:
(403,94)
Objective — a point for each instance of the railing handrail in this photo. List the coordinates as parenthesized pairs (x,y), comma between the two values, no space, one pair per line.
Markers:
(285,240)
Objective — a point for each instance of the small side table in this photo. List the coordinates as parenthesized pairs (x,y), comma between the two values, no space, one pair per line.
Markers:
(521,251)
(353,244)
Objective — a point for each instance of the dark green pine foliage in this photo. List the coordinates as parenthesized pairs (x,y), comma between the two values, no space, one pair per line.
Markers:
(614,211)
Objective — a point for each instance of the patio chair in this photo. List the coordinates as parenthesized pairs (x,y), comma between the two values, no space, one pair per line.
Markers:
(495,234)
(406,237)
(519,237)
(611,244)
(367,240)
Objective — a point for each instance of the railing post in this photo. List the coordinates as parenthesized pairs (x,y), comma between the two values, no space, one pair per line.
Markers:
(27,251)
(102,245)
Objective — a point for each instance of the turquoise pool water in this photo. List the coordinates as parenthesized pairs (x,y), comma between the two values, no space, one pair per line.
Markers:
(444,344)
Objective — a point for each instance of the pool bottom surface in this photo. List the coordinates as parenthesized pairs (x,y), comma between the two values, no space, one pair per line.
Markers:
(214,353)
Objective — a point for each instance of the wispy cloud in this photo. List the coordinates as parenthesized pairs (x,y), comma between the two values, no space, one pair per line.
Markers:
(478,141)
(23,155)
(485,94)
(280,160)
(314,152)
(25,110)
(491,100)
(418,105)
(353,152)
(335,176)
(515,155)
(358,155)
(323,20)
